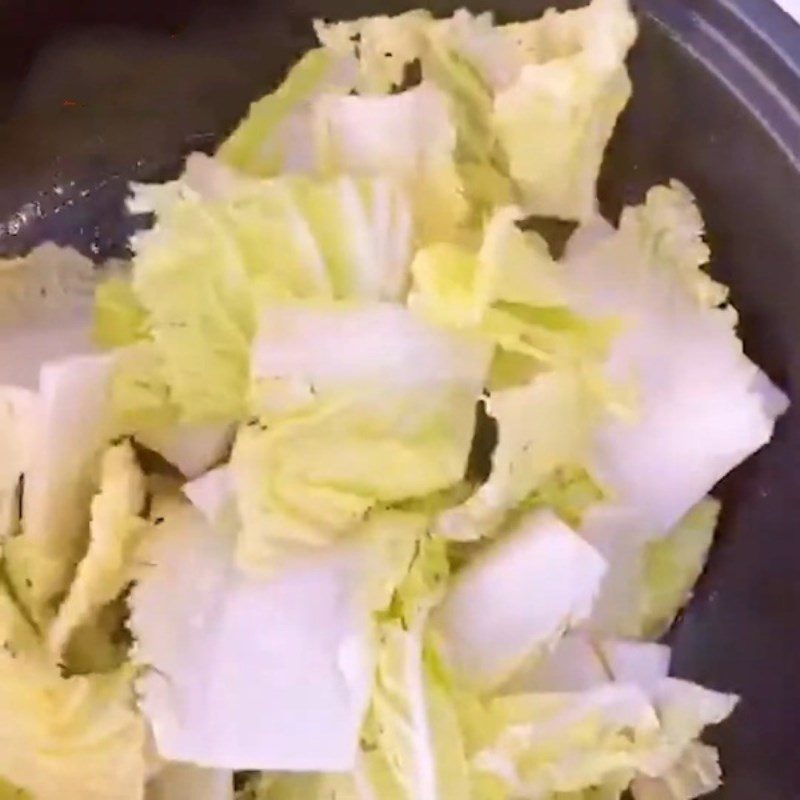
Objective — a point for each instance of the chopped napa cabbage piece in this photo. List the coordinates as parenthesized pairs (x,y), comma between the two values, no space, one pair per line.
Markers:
(685,710)
(579,664)
(339,389)
(411,743)
(674,761)
(335,345)
(481,159)
(275,136)
(703,406)
(696,773)
(535,744)
(261,218)
(16,433)
(533,103)
(72,427)
(447,53)
(188,782)
(203,708)
(516,598)
(457,287)
(668,232)
(412,730)
(541,427)
(512,293)
(80,734)
(222,646)
(673,564)
(555,119)
(206,268)
(194,283)
(116,529)
(119,318)
(649,579)
(363,229)
(408,137)
(44,300)
(618,536)
(139,395)
(205,177)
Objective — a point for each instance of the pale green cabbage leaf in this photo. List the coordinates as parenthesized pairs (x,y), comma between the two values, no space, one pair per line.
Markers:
(555,119)
(407,137)
(195,285)
(531,745)
(696,773)
(515,598)
(209,674)
(533,103)
(72,427)
(410,744)
(702,405)
(659,753)
(481,160)
(339,389)
(673,564)
(650,577)
(116,528)
(119,318)
(386,47)
(457,287)
(80,732)
(204,271)
(364,231)
(512,293)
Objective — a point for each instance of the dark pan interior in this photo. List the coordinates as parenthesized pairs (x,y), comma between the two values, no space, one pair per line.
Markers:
(94,94)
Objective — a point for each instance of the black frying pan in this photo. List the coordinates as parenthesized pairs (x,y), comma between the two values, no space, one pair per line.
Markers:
(96,92)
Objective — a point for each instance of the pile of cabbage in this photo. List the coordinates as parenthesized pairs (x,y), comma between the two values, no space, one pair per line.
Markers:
(350,487)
